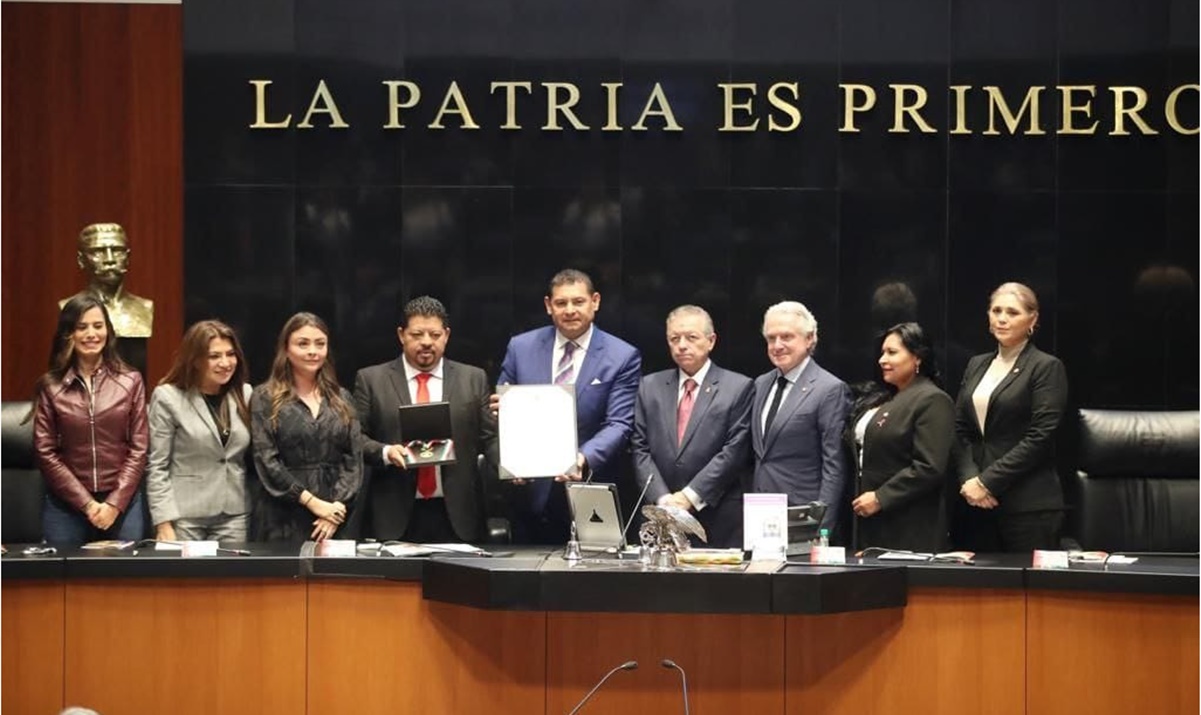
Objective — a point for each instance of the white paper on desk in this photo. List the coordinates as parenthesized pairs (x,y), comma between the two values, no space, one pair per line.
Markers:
(168,546)
(1119,559)
(537,431)
(765,522)
(405,548)
(904,556)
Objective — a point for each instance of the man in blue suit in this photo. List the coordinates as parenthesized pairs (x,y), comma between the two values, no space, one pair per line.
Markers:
(604,370)
(692,430)
(798,416)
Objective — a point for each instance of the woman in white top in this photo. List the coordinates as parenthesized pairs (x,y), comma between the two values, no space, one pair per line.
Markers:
(1010,404)
(199,433)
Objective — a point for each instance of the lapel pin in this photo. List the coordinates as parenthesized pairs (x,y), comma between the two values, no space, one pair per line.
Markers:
(883,418)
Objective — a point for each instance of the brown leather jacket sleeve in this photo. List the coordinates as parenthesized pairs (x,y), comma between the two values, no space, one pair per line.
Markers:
(60,480)
(130,476)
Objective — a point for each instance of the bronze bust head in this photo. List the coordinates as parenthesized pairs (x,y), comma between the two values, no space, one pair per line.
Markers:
(104,256)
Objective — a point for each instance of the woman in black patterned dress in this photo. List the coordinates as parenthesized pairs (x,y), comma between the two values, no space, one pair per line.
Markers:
(307,449)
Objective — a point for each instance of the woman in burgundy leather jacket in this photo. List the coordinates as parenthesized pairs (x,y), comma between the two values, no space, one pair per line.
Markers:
(89,431)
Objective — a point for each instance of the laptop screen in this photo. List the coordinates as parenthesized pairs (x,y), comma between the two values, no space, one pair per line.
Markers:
(597,515)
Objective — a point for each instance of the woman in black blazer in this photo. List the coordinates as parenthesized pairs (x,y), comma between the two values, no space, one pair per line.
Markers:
(1009,406)
(902,440)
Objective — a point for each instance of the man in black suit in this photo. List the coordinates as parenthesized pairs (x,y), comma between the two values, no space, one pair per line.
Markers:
(424,504)
(692,430)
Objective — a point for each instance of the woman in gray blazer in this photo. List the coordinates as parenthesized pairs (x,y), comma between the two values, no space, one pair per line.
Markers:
(199,434)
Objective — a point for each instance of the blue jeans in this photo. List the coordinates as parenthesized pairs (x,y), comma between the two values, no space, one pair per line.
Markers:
(64,525)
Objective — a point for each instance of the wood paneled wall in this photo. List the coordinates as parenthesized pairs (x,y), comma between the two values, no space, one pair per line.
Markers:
(92,131)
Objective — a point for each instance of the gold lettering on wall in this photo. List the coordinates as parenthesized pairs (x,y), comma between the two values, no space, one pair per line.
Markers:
(997,104)
(960,92)
(1169,109)
(900,109)
(850,107)
(510,89)
(658,99)
(454,96)
(792,110)
(260,107)
(1070,109)
(611,124)
(729,105)
(1134,108)
(323,103)
(395,104)
(555,106)
(1121,111)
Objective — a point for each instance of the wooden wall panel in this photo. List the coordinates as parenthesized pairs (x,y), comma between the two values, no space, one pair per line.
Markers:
(32,644)
(735,664)
(378,647)
(186,646)
(1119,654)
(947,652)
(92,131)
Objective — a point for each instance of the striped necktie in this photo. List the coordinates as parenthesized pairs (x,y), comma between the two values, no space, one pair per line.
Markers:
(565,372)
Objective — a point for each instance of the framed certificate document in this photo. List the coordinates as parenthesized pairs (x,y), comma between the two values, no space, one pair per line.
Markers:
(537,431)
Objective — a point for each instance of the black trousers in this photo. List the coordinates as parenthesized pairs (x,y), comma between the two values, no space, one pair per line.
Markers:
(987,531)
(429,523)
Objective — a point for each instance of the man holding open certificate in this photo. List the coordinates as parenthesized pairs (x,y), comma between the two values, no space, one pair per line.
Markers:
(438,499)
(603,372)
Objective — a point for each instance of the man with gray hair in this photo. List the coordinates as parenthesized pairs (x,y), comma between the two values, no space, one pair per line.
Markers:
(798,415)
(692,430)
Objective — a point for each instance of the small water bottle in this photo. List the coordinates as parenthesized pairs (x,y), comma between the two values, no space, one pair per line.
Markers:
(823,538)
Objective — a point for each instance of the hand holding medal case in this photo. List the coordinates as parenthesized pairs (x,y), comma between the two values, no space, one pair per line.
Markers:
(426,435)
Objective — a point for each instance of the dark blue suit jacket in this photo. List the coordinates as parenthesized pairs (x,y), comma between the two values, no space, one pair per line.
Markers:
(715,454)
(604,391)
(801,455)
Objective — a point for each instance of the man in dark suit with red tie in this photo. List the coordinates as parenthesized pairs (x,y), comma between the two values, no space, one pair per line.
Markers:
(692,430)
(426,504)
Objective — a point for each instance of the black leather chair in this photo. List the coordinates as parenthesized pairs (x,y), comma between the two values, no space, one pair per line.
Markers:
(1137,480)
(21,484)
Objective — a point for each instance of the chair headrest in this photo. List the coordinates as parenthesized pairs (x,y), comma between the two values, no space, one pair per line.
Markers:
(1135,443)
(16,439)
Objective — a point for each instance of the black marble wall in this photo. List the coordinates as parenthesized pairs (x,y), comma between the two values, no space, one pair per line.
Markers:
(866,228)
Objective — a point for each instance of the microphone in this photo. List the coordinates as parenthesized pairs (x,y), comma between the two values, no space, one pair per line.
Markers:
(649,478)
(669,663)
(628,665)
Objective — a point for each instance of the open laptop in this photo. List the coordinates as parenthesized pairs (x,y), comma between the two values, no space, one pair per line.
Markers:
(597,515)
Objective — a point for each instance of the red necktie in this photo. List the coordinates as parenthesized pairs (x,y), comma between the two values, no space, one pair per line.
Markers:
(685,410)
(427,477)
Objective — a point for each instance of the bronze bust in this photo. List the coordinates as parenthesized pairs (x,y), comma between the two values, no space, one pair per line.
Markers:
(104,256)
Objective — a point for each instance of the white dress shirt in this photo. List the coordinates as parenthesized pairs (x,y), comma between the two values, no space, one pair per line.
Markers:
(699,377)
(435,389)
(577,358)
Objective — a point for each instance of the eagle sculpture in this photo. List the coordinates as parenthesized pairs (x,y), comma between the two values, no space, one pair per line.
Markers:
(668,527)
